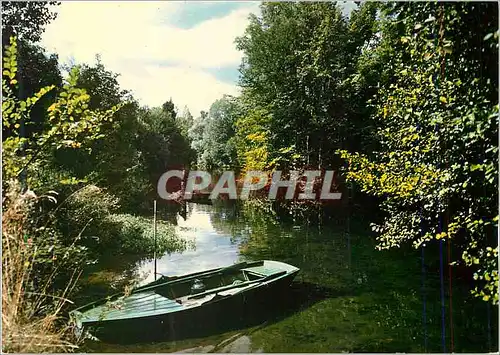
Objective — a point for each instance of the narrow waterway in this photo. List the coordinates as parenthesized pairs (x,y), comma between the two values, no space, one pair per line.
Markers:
(348,297)
(212,246)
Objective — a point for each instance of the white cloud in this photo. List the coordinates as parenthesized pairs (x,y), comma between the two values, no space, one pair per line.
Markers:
(156,60)
(211,44)
(185,85)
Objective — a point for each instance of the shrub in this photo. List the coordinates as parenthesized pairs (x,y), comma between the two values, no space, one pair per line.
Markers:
(135,235)
(83,215)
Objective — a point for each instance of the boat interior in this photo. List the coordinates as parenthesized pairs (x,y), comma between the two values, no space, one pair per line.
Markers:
(220,283)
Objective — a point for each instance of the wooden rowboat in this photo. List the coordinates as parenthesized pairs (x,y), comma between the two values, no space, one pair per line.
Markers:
(169,304)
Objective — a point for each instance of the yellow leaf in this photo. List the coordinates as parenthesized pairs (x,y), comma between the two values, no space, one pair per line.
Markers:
(443,99)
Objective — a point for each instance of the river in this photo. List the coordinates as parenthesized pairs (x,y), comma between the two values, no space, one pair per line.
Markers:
(348,296)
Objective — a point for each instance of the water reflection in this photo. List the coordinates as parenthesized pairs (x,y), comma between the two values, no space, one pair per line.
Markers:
(213,247)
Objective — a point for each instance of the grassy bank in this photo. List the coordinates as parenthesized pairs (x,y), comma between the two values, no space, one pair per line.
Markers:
(44,255)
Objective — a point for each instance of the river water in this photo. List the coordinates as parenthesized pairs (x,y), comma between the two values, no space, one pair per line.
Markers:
(348,296)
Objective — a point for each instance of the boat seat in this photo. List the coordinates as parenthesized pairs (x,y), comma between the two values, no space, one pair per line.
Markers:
(262,270)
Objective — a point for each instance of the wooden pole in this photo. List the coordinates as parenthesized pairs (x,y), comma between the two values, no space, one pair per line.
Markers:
(154,233)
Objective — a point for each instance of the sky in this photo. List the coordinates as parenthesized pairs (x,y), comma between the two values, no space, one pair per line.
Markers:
(182,50)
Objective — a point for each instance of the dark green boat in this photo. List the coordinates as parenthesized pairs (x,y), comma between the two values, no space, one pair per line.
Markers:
(172,305)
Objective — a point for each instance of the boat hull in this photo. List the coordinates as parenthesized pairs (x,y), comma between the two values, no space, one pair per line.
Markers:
(239,310)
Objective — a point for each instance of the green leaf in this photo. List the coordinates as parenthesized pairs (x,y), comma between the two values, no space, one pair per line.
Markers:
(488,36)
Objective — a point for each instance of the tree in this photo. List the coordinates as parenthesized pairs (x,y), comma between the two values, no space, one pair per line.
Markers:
(162,144)
(35,69)
(219,134)
(72,122)
(213,135)
(26,20)
(298,66)
(196,134)
(108,161)
(169,108)
(185,121)
(252,140)
(436,169)
(71,125)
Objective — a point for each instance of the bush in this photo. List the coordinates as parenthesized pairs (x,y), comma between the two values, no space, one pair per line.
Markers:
(135,235)
(83,215)
(87,215)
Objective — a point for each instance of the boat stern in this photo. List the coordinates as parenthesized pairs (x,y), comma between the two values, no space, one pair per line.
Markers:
(281,266)
(275,271)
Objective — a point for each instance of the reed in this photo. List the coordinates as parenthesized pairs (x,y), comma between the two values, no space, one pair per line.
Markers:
(31,317)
